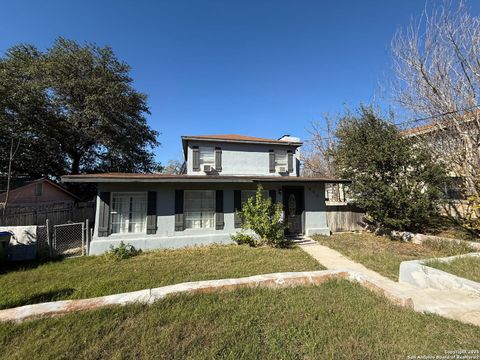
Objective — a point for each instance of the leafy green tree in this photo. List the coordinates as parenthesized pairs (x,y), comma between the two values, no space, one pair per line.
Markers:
(260,215)
(26,117)
(397,183)
(74,110)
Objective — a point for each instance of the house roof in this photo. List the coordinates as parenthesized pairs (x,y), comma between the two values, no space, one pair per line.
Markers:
(424,129)
(239,138)
(418,130)
(42,180)
(441,124)
(167,178)
(236,138)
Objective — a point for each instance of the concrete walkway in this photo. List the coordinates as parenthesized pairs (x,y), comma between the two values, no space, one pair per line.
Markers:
(454,304)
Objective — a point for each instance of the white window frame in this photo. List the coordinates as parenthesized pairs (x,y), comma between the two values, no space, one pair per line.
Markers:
(206,215)
(206,156)
(281,159)
(125,222)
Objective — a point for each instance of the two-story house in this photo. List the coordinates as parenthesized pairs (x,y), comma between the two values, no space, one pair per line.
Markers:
(200,206)
(445,144)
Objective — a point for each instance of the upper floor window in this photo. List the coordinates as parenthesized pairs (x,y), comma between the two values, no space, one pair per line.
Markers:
(281,158)
(454,189)
(129,212)
(207,156)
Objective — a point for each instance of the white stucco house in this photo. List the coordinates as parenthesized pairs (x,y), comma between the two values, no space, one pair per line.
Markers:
(199,207)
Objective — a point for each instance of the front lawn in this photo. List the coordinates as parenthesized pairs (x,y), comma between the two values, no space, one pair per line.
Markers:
(465,267)
(336,320)
(96,276)
(384,255)
(448,228)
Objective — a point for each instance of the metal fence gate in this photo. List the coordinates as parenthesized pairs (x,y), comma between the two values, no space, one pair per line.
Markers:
(70,239)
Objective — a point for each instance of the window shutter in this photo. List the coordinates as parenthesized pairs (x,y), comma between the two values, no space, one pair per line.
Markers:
(104,214)
(271,158)
(218,159)
(219,221)
(152,213)
(273,195)
(179,223)
(290,161)
(237,206)
(196,158)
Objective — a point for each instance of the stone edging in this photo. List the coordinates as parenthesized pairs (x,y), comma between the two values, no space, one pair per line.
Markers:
(148,296)
(416,273)
(420,238)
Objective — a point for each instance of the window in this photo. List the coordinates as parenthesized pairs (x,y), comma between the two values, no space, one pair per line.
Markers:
(199,209)
(246,194)
(207,156)
(454,190)
(129,212)
(281,158)
(38,189)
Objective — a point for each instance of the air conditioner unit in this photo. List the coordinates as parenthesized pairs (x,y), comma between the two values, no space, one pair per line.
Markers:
(207,168)
(282,169)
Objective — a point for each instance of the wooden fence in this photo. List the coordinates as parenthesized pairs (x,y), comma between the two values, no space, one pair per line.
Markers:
(344,218)
(57,213)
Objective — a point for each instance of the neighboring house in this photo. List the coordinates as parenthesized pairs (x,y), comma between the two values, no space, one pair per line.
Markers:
(15,181)
(451,149)
(444,142)
(38,192)
(199,207)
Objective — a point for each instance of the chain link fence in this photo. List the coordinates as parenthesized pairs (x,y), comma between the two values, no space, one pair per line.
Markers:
(46,241)
(69,239)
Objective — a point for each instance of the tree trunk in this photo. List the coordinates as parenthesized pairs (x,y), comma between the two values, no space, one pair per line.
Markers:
(75,164)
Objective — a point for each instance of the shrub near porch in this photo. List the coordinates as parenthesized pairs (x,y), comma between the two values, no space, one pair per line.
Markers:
(96,276)
(383,255)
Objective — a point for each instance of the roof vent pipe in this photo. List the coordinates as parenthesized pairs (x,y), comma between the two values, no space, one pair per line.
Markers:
(289,138)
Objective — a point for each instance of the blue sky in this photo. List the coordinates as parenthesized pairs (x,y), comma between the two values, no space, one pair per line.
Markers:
(261,68)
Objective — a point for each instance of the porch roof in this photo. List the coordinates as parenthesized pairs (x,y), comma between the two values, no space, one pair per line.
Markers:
(167,178)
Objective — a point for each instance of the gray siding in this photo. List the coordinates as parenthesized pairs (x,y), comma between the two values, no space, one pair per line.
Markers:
(242,159)
(315,210)
(167,237)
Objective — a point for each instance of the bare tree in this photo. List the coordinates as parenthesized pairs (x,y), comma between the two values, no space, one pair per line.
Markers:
(437,65)
(316,151)
(316,154)
(174,167)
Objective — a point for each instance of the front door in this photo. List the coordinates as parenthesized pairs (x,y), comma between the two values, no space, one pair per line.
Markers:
(294,206)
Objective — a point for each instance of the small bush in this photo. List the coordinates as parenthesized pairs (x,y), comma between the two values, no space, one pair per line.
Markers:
(264,218)
(122,251)
(242,238)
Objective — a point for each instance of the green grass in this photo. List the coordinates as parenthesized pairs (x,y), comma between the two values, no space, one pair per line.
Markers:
(336,320)
(383,255)
(96,276)
(465,267)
